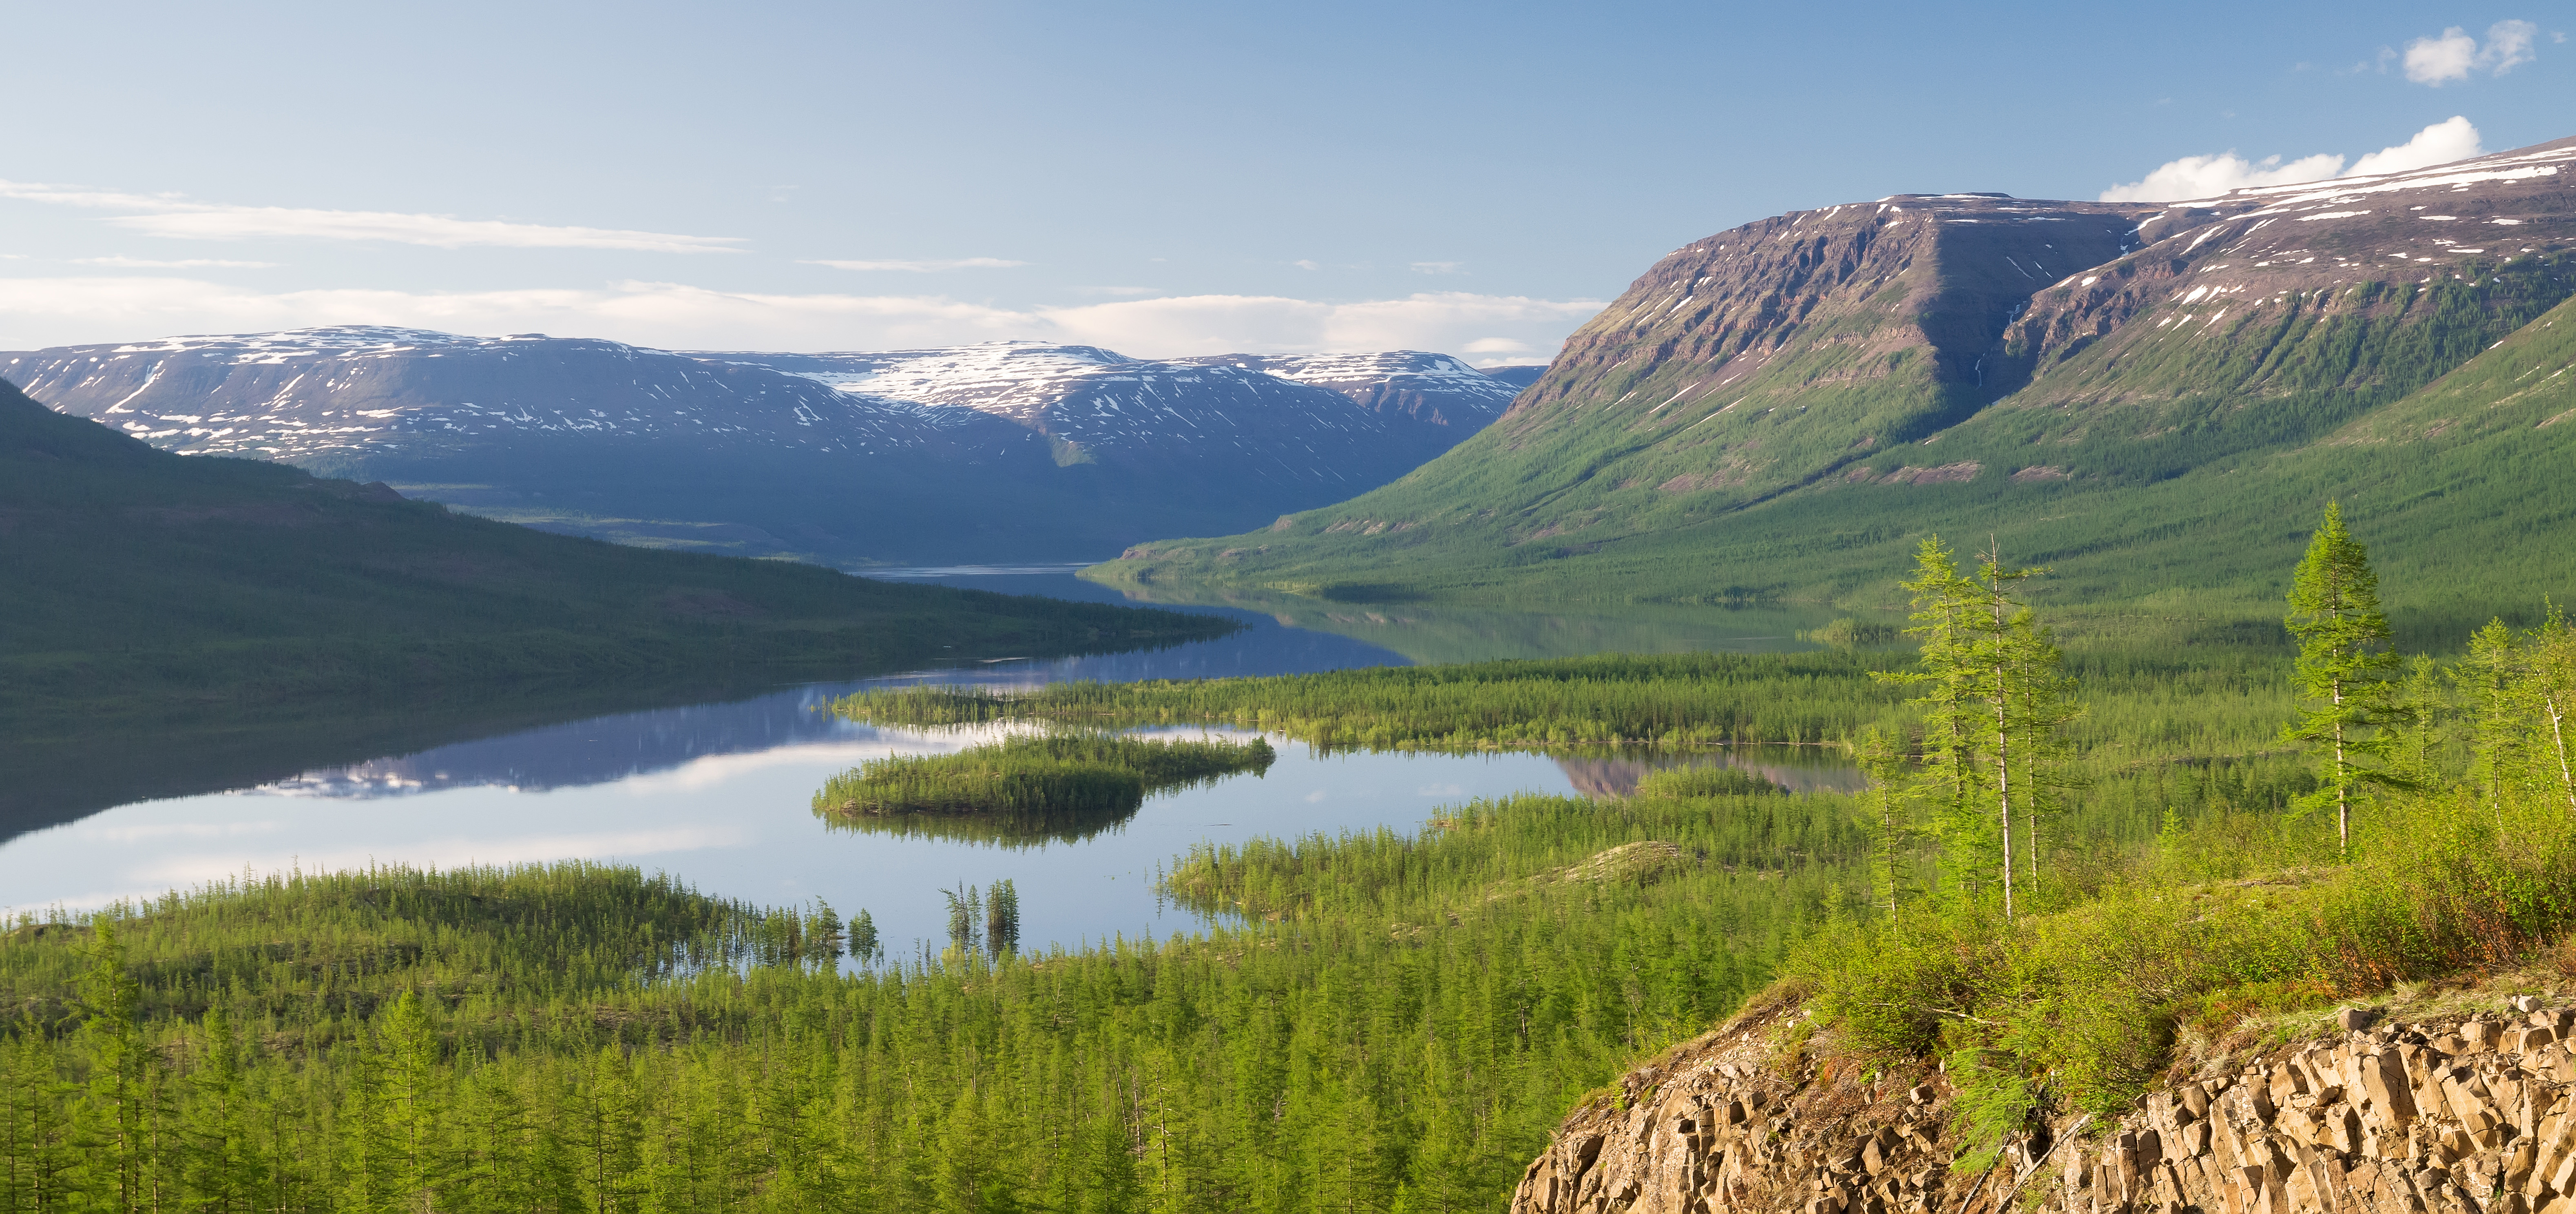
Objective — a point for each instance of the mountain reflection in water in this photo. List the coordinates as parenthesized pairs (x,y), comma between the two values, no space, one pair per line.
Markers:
(720,795)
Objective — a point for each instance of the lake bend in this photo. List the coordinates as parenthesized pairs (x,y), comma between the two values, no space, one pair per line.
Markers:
(719,795)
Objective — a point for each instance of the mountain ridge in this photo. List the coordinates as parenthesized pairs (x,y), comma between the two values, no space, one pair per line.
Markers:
(1789,429)
(1007,451)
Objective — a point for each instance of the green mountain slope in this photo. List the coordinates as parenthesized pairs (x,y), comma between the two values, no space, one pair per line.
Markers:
(2150,397)
(141,582)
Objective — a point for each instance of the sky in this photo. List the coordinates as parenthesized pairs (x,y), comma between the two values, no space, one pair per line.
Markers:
(1159,179)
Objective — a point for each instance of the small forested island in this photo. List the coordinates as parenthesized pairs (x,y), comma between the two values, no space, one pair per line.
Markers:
(1026,788)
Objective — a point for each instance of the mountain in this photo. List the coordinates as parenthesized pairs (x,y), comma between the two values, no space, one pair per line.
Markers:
(1786,407)
(139,582)
(1008,451)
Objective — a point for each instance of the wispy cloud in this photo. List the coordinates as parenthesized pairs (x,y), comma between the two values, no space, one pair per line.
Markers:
(2454,55)
(175,216)
(1439,267)
(67,310)
(190,263)
(925,267)
(2210,176)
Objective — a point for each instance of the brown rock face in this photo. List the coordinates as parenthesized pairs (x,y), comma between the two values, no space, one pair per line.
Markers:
(2473,1116)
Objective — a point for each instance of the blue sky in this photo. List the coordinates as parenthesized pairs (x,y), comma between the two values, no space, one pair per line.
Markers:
(1161,178)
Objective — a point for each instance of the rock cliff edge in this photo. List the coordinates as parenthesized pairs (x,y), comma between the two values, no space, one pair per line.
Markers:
(2465,1110)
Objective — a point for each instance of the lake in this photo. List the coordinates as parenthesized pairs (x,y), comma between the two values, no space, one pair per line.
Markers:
(719,794)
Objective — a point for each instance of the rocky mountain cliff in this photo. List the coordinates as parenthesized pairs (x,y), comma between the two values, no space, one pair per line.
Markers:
(1974,341)
(997,452)
(2468,1111)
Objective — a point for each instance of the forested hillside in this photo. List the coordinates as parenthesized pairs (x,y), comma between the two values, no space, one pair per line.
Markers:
(147,588)
(2142,397)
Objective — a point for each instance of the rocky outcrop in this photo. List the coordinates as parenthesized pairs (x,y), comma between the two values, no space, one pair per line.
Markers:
(2467,1112)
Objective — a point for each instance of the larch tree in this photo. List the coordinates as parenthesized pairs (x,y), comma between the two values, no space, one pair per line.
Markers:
(1892,831)
(1002,918)
(2343,672)
(2014,665)
(1953,727)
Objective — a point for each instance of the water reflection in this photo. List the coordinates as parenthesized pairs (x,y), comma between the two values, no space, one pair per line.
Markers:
(720,793)
(1800,769)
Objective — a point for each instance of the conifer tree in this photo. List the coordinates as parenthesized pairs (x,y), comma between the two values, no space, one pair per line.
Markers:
(2343,670)
(1002,918)
(412,1095)
(1111,1183)
(1892,828)
(2496,678)
(121,1067)
(223,1168)
(2016,673)
(965,932)
(496,1173)
(1994,697)
(1954,727)
(2553,671)
(2423,713)
(40,1159)
(865,948)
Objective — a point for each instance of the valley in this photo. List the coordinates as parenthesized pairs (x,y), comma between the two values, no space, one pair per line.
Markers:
(1953,703)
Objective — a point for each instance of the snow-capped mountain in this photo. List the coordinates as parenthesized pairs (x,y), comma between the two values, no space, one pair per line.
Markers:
(1324,419)
(1004,451)
(337,394)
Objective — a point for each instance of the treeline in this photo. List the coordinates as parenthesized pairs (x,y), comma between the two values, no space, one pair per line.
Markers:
(1669,699)
(1396,1024)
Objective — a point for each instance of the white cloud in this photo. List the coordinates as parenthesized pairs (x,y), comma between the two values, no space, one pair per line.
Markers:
(2441,143)
(171,215)
(2449,57)
(37,312)
(191,263)
(925,267)
(2210,176)
(1439,267)
(1302,263)
(2455,55)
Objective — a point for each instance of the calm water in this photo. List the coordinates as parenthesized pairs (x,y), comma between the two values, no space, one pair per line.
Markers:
(719,794)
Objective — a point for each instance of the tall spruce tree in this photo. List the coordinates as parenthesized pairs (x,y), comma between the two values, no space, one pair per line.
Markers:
(2343,670)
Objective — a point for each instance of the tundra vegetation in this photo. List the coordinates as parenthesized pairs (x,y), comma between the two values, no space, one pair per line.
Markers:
(1371,1021)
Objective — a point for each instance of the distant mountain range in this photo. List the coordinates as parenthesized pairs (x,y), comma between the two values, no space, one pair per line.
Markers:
(2146,396)
(999,452)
